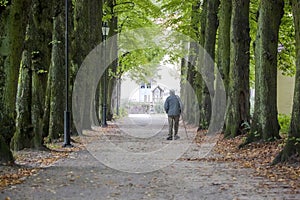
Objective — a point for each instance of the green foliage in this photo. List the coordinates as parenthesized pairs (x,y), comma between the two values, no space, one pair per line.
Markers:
(3,3)
(122,113)
(132,15)
(294,140)
(284,122)
(253,18)
(141,64)
(177,15)
(246,126)
(55,42)
(42,71)
(286,58)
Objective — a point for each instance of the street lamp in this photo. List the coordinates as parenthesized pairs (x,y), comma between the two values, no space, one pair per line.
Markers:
(105,30)
(67,139)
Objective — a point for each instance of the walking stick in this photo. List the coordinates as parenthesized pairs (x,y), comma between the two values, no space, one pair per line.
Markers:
(184,127)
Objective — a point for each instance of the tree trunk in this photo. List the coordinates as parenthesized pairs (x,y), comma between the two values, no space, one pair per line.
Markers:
(87,35)
(238,111)
(199,79)
(16,32)
(224,40)
(185,89)
(40,33)
(24,130)
(223,52)
(203,16)
(191,73)
(190,100)
(57,73)
(37,52)
(209,46)
(16,23)
(292,146)
(5,131)
(265,123)
(113,53)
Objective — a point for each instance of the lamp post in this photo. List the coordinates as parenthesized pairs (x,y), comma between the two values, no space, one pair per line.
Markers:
(67,139)
(105,30)
(118,94)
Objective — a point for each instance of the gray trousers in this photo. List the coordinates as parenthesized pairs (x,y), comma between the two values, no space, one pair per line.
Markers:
(173,124)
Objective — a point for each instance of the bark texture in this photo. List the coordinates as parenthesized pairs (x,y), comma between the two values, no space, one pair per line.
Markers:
(238,108)
(87,35)
(57,74)
(5,131)
(24,129)
(209,45)
(292,146)
(265,123)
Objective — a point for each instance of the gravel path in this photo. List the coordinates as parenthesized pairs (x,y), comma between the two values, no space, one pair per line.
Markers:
(139,176)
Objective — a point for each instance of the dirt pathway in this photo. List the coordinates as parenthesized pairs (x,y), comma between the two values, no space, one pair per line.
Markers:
(84,176)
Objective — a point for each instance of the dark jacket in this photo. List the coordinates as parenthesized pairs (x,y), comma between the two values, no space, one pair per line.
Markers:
(173,105)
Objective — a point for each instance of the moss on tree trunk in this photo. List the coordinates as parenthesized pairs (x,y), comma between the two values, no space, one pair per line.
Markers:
(16,31)
(5,123)
(40,35)
(57,73)
(209,45)
(292,146)
(265,123)
(238,109)
(24,130)
(224,40)
(223,55)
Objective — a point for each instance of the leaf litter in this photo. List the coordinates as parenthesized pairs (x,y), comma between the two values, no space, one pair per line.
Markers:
(257,156)
(28,162)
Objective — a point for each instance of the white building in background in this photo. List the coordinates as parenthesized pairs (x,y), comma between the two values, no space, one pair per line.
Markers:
(145,92)
(152,93)
(158,94)
(169,79)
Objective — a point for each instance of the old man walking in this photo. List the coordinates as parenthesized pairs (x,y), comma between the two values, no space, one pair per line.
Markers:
(173,109)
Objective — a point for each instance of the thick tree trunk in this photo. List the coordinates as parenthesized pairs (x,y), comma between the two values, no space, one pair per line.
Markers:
(16,23)
(203,16)
(265,123)
(190,100)
(16,32)
(194,75)
(37,52)
(57,73)
(224,40)
(87,35)
(24,129)
(238,109)
(5,131)
(39,34)
(191,73)
(292,146)
(209,46)
(113,47)
(223,55)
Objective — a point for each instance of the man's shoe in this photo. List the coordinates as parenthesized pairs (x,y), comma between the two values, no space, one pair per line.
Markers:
(169,138)
(176,137)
